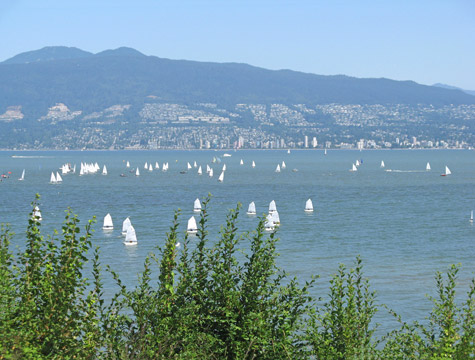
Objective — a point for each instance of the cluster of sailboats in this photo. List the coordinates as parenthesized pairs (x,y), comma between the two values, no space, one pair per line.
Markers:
(127,229)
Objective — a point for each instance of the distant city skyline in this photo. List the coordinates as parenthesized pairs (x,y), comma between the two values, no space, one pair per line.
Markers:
(428,41)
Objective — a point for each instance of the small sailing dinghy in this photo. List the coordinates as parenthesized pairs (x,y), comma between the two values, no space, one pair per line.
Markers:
(22,176)
(471,216)
(241,162)
(224,167)
(104,170)
(283,165)
(251,210)
(108,225)
(52,178)
(128,164)
(309,206)
(277,169)
(428,167)
(382,164)
(200,171)
(210,172)
(156,165)
(272,207)
(192,228)
(36,215)
(125,225)
(195,164)
(188,166)
(145,166)
(353,168)
(269,224)
(59,179)
(253,164)
(221,177)
(137,172)
(447,172)
(130,236)
(197,205)
(275,218)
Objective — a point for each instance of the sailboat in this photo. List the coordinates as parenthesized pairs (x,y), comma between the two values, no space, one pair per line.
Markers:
(36,216)
(108,225)
(277,169)
(156,165)
(382,164)
(192,228)
(357,163)
(251,210)
(58,177)
(74,169)
(447,171)
(269,224)
(197,205)
(128,164)
(104,170)
(283,165)
(241,162)
(224,167)
(471,216)
(22,176)
(200,171)
(288,151)
(52,178)
(195,164)
(325,151)
(275,218)
(221,177)
(150,167)
(309,206)
(272,207)
(253,164)
(428,167)
(353,168)
(145,166)
(188,166)
(130,236)
(125,225)
(210,173)
(137,172)
(208,169)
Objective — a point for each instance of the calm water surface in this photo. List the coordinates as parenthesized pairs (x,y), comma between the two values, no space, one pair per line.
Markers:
(406,224)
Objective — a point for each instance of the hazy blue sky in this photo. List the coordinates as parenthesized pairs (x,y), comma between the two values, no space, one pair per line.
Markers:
(427,41)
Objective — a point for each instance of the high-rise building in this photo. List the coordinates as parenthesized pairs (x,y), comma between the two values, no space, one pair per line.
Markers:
(314,142)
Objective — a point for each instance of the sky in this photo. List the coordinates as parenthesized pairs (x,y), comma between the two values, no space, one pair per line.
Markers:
(427,41)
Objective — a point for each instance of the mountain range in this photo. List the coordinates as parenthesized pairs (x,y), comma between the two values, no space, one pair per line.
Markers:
(37,80)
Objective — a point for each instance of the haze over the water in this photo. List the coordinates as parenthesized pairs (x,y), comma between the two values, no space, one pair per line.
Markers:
(428,41)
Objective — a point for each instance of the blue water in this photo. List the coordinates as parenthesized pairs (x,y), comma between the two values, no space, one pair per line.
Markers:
(406,224)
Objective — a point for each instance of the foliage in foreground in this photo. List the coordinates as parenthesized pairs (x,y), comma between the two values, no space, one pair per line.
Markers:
(200,301)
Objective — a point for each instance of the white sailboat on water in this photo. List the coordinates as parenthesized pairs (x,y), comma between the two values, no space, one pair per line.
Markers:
(200,171)
(353,168)
(125,225)
(382,164)
(36,216)
(130,236)
(253,164)
(22,176)
(471,216)
(309,206)
(221,177)
(224,167)
(108,224)
(188,166)
(210,172)
(137,172)
(59,179)
(447,171)
(241,162)
(52,179)
(275,218)
(251,210)
(128,164)
(277,169)
(427,166)
(150,167)
(192,228)
(156,165)
(145,166)
(272,207)
(283,165)
(104,170)
(197,205)
(269,224)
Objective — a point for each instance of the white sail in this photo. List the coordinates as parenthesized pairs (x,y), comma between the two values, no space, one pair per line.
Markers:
(427,166)
(471,216)
(272,207)
(221,177)
(150,167)
(208,169)
(309,205)
(52,178)
(325,151)
(200,171)
(357,163)
(137,172)
(277,169)
(145,166)
(197,205)
(104,170)
(125,225)
(22,176)
(288,151)
(74,169)
(382,164)
(58,177)
(224,167)
(253,164)
(447,171)
(210,173)
(36,216)
(156,165)
(275,218)
(283,165)
(269,224)
(195,164)
(192,228)
(108,225)
(130,236)
(188,166)
(353,168)
(241,162)
(251,210)
(128,164)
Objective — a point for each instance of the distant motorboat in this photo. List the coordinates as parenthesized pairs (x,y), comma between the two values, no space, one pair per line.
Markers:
(197,205)
(22,177)
(227,155)
(447,172)
(125,225)
(192,228)
(108,224)
(309,206)
(130,236)
(427,166)
(251,210)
